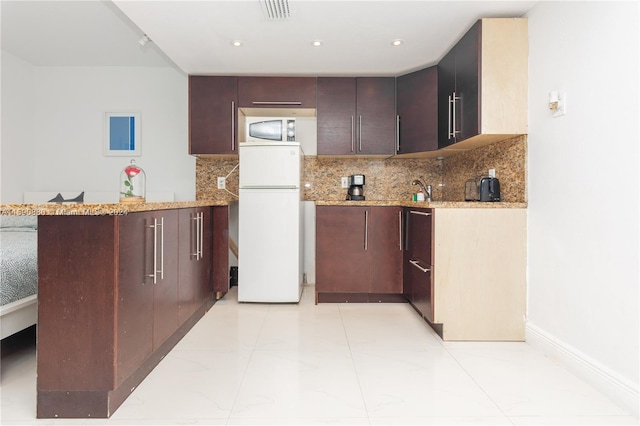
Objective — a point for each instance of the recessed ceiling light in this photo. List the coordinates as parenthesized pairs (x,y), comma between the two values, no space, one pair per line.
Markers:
(397,42)
(316,43)
(237,43)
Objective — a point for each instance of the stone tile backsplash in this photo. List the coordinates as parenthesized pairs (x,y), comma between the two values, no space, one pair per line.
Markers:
(388,179)
(508,158)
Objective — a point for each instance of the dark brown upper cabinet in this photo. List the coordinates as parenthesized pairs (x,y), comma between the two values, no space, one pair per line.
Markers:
(356,116)
(417,109)
(482,85)
(336,114)
(213,114)
(277,92)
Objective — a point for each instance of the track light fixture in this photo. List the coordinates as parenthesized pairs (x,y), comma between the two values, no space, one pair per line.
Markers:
(144,39)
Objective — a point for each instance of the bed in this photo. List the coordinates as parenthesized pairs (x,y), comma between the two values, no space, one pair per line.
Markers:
(18,273)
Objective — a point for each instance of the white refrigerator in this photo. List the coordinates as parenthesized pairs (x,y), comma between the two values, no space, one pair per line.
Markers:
(270,223)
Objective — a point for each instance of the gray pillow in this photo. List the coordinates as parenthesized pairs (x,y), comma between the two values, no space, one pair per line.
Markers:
(19,222)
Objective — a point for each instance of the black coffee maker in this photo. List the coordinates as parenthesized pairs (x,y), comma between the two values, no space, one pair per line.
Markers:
(356,190)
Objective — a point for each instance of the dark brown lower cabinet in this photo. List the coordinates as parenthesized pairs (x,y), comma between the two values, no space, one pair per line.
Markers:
(418,260)
(111,290)
(358,254)
(194,257)
(220,222)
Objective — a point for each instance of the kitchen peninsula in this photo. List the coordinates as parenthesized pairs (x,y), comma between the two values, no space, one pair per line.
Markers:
(118,286)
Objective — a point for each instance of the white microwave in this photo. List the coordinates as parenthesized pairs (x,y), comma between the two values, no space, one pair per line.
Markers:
(270,129)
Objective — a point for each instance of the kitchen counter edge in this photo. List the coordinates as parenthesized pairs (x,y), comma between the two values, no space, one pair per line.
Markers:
(425,204)
(99,209)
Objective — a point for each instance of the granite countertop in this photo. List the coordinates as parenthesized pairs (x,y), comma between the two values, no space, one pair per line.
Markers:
(425,204)
(98,209)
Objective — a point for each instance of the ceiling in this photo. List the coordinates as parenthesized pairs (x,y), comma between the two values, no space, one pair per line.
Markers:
(196,36)
(74,33)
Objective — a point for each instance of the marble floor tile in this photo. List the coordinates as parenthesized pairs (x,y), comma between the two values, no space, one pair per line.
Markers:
(523,381)
(286,384)
(332,364)
(419,384)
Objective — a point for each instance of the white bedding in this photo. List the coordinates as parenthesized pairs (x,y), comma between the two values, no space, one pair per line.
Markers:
(18,273)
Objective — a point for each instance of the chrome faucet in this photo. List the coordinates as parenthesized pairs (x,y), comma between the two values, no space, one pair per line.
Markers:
(425,188)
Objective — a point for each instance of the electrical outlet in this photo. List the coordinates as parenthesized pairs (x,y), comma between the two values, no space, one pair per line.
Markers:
(222,182)
(345,182)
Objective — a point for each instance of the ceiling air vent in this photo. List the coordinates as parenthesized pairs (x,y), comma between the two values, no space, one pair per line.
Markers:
(276,10)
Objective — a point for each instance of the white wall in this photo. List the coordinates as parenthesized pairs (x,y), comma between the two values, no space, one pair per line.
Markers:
(583,191)
(67,127)
(17,173)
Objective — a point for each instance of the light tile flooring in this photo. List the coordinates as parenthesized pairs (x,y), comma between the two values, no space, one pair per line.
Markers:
(359,364)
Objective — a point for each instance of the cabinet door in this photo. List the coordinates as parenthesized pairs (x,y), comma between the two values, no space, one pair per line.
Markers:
(277,92)
(421,277)
(188,256)
(420,239)
(459,73)
(341,262)
(446,89)
(407,283)
(417,105)
(418,261)
(384,247)
(376,118)
(336,115)
(213,115)
(194,259)
(135,293)
(165,290)
(204,285)
(220,249)
(467,53)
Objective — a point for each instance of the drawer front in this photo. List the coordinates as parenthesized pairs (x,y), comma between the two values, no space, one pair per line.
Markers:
(420,234)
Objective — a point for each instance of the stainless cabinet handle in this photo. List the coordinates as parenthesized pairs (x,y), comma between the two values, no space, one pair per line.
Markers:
(449,134)
(154,275)
(453,125)
(406,230)
(353,131)
(400,228)
(233,126)
(196,241)
(417,265)
(452,112)
(162,249)
(397,133)
(366,229)
(420,213)
(201,214)
(277,103)
(360,133)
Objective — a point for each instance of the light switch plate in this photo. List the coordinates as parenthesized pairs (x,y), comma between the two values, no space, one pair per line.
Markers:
(222,182)
(345,182)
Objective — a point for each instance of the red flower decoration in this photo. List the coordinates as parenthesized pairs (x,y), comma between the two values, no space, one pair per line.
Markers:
(131,171)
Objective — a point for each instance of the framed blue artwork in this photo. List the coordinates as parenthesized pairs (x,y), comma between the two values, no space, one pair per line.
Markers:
(122,134)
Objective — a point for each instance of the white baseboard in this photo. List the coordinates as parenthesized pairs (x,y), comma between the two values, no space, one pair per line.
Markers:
(618,388)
